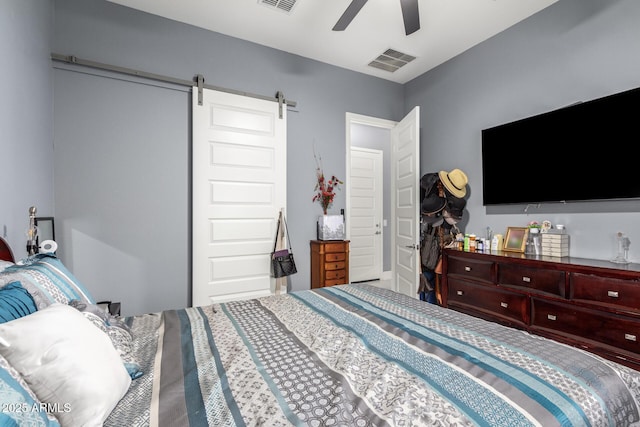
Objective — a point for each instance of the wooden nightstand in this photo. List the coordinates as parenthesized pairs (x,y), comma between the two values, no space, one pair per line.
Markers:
(329,262)
(110,307)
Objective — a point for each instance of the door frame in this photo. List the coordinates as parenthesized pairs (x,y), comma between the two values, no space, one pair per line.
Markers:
(351,119)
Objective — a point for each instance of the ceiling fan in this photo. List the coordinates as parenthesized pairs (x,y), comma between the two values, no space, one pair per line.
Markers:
(410,15)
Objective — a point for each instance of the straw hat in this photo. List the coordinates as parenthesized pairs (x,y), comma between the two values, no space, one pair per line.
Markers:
(455,182)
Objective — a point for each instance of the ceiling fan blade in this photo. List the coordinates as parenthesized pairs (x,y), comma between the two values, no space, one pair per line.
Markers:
(348,15)
(410,15)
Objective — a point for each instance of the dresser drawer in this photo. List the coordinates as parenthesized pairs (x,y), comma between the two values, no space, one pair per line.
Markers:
(614,293)
(335,274)
(471,268)
(335,247)
(498,303)
(538,279)
(328,266)
(335,257)
(607,328)
(582,302)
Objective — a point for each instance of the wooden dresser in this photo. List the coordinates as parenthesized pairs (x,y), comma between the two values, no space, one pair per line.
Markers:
(592,304)
(329,263)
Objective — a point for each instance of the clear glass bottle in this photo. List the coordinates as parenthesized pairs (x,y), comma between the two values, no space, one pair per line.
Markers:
(534,242)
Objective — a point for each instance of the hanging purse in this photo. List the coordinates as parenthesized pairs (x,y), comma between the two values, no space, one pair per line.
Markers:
(282,260)
(430,249)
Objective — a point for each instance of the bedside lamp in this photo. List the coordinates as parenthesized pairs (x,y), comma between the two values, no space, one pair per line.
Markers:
(32,233)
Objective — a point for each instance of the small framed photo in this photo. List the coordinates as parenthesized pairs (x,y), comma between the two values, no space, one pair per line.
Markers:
(516,239)
(45,227)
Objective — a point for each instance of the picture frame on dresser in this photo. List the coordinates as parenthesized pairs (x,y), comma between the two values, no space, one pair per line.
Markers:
(516,239)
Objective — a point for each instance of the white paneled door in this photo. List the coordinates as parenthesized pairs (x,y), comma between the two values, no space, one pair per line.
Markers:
(405,170)
(239,186)
(365,190)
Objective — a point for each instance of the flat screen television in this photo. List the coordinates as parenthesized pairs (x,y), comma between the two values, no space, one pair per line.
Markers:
(582,152)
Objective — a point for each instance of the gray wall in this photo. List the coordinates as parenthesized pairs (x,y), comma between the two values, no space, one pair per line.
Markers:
(121,189)
(100,128)
(575,50)
(135,218)
(26,144)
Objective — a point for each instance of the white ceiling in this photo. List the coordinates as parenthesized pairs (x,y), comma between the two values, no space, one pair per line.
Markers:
(448,27)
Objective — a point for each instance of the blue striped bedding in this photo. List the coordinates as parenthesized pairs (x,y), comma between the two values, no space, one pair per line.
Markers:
(358,355)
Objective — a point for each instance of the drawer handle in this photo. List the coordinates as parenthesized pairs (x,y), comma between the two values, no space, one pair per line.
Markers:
(612,294)
(467,269)
(551,316)
(526,279)
(459,292)
(504,304)
(629,337)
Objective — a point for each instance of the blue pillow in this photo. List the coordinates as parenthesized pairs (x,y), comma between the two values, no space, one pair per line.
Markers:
(47,280)
(15,302)
(20,405)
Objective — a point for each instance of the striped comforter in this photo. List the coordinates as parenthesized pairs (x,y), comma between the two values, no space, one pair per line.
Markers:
(357,355)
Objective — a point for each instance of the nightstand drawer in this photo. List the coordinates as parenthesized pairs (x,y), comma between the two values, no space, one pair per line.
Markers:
(335,274)
(335,257)
(334,265)
(335,247)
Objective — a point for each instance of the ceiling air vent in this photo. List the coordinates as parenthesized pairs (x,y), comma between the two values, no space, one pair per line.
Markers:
(391,60)
(283,5)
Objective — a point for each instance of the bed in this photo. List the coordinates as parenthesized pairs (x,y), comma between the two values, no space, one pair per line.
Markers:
(350,355)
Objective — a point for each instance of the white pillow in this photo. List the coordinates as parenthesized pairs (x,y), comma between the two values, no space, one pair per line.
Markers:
(69,363)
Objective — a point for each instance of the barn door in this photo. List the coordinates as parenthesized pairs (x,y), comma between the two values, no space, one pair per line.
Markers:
(239,187)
